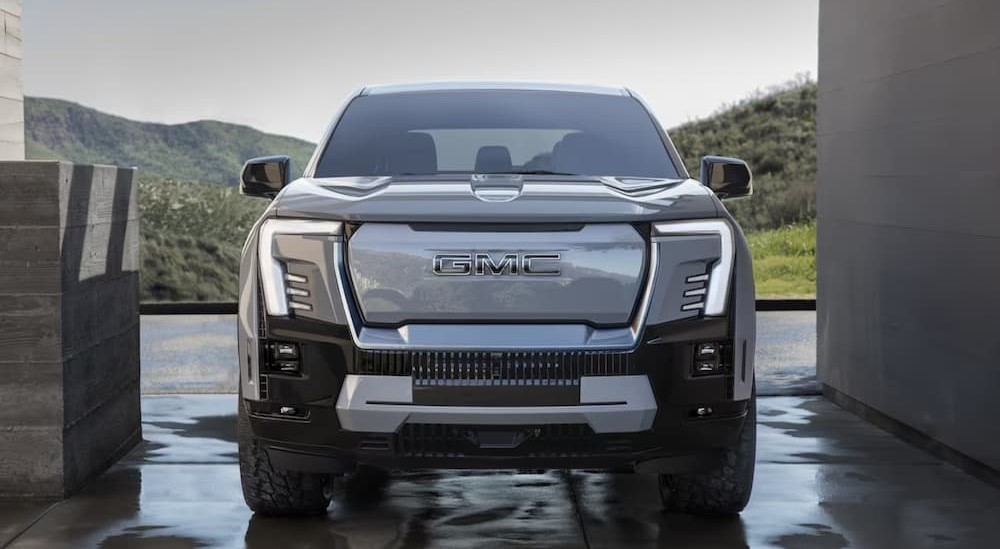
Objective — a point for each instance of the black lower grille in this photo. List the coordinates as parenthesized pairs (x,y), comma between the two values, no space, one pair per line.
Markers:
(502,368)
(262,344)
(262,387)
(561,440)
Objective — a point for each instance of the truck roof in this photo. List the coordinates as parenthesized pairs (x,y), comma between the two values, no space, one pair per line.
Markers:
(486,85)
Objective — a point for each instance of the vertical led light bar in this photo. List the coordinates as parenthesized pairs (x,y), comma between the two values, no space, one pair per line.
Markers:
(272,275)
(722,271)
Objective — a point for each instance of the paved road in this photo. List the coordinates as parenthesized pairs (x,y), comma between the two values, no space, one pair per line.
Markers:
(825,479)
(197,354)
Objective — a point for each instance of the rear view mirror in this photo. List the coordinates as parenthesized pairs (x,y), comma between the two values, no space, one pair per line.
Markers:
(265,176)
(727,177)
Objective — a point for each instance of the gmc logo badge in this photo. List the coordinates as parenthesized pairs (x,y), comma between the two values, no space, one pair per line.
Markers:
(510,264)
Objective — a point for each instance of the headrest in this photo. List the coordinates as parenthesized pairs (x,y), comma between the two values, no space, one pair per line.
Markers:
(413,152)
(493,159)
(579,153)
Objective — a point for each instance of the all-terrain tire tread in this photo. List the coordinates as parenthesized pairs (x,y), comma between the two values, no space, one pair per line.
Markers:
(271,491)
(722,490)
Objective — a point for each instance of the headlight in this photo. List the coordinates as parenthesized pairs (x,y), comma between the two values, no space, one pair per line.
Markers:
(272,271)
(722,271)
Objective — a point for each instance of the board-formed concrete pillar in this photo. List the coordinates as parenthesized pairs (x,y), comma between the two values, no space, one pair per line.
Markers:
(69,324)
(11,91)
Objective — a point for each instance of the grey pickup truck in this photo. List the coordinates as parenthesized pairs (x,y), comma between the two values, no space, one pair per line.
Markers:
(496,275)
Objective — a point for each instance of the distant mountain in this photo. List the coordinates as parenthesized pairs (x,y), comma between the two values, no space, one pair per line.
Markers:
(774,131)
(206,151)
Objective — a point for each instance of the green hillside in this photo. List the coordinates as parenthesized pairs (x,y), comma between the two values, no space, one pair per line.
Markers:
(191,239)
(776,135)
(207,151)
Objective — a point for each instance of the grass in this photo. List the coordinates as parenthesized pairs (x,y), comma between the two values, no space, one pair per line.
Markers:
(784,261)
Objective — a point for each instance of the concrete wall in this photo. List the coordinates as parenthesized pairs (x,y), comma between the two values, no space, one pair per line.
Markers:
(909,230)
(69,331)
(11,91)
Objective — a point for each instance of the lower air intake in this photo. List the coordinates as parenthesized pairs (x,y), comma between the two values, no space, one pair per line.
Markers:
(424,440)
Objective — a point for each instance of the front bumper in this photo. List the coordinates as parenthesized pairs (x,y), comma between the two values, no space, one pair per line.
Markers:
(643,411)
(383,404)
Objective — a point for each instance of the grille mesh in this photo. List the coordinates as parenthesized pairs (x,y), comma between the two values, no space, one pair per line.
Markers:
(494,368)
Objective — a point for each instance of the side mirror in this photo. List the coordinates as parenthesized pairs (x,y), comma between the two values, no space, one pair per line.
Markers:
(265,176)
(727,177)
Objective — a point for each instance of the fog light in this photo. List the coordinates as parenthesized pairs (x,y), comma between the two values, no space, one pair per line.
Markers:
(286,351)
(703,411)
(288,411)
(707,351)
(287,367)
(710,359)
(706,368)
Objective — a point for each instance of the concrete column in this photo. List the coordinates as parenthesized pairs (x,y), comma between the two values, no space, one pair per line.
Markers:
(69,324)
(909,237)
(11,91)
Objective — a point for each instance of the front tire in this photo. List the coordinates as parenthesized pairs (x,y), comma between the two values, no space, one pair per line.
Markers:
(271,491)
(724,489)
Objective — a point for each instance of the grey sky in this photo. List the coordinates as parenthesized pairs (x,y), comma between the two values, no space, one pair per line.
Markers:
(284,66)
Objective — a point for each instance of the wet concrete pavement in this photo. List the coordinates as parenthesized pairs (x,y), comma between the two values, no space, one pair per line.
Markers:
(197,353)
(824,479)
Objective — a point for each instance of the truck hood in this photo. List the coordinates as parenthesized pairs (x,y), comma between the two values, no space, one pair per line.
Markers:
(495,199)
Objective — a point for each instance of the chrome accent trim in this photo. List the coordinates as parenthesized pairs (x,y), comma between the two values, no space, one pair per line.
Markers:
(693,306)
(528,270)
(464,261)
(340,272)
(697,278)
(382,404)
(497,337)
(722,271)
(296,278)
(647,295)
(483,264)
(300,306)
(639,185)
(695,292)
(272,271)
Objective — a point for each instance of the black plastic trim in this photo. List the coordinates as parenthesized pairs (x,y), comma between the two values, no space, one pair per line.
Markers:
(665,356)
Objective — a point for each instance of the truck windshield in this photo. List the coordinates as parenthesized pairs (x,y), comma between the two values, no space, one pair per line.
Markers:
(495,131)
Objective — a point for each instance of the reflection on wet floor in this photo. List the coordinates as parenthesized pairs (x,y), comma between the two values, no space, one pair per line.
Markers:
(824,479)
